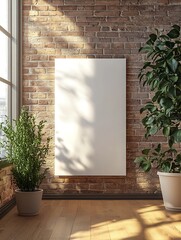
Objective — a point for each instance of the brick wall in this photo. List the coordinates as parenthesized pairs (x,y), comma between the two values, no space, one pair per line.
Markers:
(6,186)
(92,29)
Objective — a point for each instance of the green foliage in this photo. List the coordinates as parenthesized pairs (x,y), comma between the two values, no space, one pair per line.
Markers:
(25,150)
(4,163)
(162,73)
(167,161)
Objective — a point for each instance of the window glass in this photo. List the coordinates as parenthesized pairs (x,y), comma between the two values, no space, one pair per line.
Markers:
(4,51)
(3,101)
(3,108)
(4,14)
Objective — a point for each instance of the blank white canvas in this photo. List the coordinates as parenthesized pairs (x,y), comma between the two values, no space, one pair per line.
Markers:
(90,117)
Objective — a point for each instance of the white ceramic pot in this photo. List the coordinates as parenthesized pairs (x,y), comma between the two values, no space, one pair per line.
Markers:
(28,203)
(171,190)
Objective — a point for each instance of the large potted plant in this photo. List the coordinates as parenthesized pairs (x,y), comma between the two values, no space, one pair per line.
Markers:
(161,72)
(26,146)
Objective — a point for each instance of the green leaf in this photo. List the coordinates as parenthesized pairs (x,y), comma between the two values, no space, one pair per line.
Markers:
(146,151)
(146,64)
(142,110)
(164,37)
(156,83)
(149,75)
(177,41)
(153,37)
(158,148)
(166,166)
(149,106)
(177,136)
(144,120)
(146,48)
(176,27)
(151,54)
(174,33)
(149,42)
(166,131)
(170,44)
(169,54)
(144,163)
(173,130)
(172,92)
(139,159)
(173,64)
(141,76)
(153,130)
(174,79)
(178,158)
(171,142)
(168,111)
(157,96)
(150,120)
(146,166)
(166,103)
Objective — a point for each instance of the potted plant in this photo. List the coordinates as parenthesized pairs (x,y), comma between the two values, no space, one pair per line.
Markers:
(26,147)
(161,72)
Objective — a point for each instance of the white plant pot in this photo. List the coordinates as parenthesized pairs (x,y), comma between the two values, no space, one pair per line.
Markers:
(28,203)
(171,190)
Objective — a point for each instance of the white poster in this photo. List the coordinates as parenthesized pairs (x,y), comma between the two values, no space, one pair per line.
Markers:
(90,117)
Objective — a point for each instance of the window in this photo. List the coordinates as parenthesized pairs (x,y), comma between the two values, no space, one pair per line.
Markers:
(9,58)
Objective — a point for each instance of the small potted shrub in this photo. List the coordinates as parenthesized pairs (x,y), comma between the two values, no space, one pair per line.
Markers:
(26,147)
(162,73)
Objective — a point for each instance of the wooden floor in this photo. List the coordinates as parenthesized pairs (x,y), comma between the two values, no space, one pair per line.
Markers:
(94,219)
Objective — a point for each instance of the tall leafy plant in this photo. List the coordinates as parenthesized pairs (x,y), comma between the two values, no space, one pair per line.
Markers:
(162,73)
(25,148)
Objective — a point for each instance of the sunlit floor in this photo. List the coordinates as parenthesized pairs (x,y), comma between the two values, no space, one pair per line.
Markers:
(94,219)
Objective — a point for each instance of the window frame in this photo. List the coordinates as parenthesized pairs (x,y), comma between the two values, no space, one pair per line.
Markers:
(13,34)
(14,59)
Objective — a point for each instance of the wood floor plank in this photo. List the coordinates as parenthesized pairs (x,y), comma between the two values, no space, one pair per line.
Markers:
(99,223)
(81,226)
(94,220)
(64,224)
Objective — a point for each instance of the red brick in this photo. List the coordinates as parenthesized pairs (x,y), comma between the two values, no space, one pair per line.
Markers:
(79,2)
(107,34)
(92,29)
(107,13)
(39,8)
(107,2)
